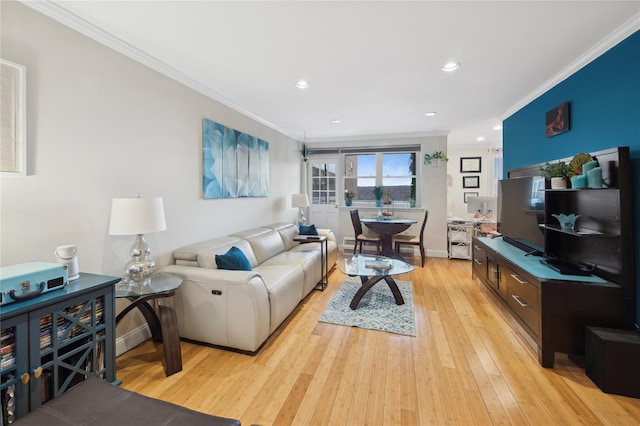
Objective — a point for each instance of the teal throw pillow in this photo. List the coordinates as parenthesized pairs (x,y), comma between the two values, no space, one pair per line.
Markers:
(234,259)
(308,230)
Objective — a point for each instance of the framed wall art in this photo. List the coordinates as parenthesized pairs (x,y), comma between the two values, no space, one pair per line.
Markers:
(234,164)
(470,164)
(557,120)
(13,120)
(471,181)
(468,195)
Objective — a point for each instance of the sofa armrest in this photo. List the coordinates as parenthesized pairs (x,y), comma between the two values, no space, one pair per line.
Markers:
(325,232)
(221,307)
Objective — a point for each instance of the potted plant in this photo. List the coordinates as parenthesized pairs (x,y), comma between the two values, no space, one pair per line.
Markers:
(304,151)
(378,192)
(348,197)
(557,173)
(436,157)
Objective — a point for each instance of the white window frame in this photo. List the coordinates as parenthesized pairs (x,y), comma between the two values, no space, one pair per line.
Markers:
(378,176)
(13,135)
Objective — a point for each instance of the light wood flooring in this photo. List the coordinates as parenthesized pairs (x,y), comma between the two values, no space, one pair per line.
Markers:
(466,366)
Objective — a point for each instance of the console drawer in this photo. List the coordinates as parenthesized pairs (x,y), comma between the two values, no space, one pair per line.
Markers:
(479,261)
(523,298)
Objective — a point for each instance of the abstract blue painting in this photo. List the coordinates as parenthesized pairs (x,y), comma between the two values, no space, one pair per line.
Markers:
(234,164)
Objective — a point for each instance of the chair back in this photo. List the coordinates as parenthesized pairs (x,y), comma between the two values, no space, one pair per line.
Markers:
(424,223)
(357,225)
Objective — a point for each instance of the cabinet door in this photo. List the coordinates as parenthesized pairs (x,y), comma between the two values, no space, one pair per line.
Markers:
(14,368)
(479,261)
(493,272)
(67,345)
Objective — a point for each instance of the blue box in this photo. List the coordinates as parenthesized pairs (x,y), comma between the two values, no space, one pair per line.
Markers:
(29,280)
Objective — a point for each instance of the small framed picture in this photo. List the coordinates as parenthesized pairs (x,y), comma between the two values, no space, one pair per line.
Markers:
(469,194)
(471,181)
(470,164)
(557,120)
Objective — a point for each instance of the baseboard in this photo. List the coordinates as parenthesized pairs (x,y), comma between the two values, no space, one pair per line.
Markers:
(132,339)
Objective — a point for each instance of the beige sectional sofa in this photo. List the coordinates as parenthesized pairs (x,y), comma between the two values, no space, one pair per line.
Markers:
(241,309)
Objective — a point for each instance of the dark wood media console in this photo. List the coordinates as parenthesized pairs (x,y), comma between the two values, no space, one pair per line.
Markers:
(554,308)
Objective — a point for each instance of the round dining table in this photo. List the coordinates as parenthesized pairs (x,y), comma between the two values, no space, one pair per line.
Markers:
(387,228)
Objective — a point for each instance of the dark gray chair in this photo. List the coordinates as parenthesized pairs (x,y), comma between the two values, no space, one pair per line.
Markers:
(414,240)
(360,237)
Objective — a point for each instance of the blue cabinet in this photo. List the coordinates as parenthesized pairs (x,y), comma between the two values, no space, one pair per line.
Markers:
(50,343)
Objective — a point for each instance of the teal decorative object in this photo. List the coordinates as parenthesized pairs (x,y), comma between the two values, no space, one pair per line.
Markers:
(594,177)
(567,222)
(579,181)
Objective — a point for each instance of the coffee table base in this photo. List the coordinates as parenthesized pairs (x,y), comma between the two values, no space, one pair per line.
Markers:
(368,282)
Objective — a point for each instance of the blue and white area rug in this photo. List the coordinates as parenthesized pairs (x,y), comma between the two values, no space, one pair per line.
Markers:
(377,309)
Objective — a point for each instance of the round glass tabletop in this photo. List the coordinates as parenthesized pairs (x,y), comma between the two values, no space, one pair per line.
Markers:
(160,282)
(367,265)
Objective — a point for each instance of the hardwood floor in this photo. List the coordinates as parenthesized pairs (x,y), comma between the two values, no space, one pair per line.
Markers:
(466,366)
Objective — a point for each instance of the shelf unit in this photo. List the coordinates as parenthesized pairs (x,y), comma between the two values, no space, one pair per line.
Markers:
(553,308)
(54,341)
(459,237)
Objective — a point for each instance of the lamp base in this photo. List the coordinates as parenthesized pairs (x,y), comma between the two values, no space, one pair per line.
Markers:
(141,266)
(301,219)
(139,269)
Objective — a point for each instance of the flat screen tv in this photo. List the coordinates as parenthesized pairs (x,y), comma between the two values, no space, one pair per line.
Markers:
(520,211)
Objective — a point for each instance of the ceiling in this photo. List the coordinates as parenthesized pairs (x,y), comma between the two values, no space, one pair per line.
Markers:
(375,66)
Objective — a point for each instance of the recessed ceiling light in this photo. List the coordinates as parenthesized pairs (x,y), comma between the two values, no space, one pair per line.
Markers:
(336,121)
(451,66)
(480,138)
(497,127)
(430,114)
(302,84)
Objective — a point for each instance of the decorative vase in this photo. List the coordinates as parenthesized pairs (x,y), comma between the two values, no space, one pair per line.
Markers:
(567,222)
(558,183)
(378,203)
(347,202)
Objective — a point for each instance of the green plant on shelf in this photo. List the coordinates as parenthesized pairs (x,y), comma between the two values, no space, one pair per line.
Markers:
(435,157)
(552,170)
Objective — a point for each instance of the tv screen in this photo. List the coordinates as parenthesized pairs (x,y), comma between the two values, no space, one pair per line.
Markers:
(520,211)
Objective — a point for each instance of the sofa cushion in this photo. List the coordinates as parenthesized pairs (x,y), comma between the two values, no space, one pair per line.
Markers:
(288,232)
(284,285)
(265,244)
(206,257)
(234,260)
(308,229)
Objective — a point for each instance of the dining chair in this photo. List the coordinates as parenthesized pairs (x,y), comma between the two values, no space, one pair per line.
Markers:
(414,240)
(360,237)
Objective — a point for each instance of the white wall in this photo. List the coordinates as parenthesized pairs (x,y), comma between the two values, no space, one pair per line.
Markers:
(101,125)
(455,194)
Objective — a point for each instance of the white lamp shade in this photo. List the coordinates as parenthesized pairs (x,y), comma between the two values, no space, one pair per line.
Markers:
(131,216)
(299,200)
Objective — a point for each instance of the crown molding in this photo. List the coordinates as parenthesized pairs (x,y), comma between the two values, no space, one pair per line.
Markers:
(73,21)
(624,31)
(382,137)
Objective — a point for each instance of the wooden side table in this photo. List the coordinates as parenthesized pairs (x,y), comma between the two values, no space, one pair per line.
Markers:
(164,327)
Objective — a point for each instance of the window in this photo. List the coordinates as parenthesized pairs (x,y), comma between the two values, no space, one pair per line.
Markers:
(323,183)
(394,171)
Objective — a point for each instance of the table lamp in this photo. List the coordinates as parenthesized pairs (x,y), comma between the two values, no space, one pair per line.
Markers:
(300,201)
(137,216)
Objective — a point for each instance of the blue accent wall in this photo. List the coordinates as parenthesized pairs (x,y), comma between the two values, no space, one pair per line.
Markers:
(604,99)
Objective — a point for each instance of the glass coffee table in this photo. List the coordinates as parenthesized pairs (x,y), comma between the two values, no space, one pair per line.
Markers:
(371,270)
